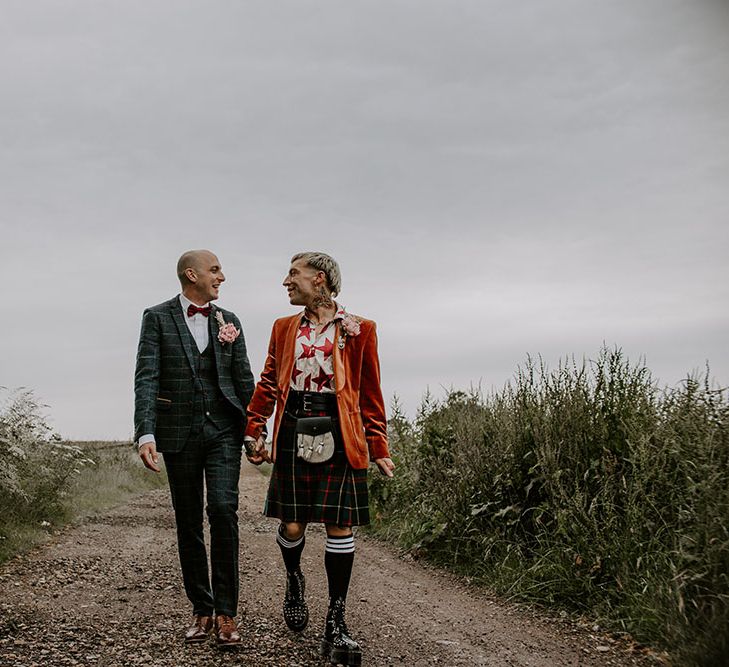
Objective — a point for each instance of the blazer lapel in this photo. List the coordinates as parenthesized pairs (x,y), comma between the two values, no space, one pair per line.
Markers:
(213,329)
(185,336)
(287,354)
(340,377)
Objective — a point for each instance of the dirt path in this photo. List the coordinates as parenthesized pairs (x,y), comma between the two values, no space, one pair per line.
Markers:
(108,593)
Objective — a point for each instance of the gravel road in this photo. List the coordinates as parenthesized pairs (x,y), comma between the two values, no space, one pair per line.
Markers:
(108,593)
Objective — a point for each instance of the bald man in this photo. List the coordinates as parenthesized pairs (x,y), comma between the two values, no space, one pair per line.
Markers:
(192,386)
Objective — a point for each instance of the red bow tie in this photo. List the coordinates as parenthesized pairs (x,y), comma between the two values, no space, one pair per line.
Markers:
(192,309)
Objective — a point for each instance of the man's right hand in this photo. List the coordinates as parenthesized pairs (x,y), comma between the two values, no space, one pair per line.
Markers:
(148,454)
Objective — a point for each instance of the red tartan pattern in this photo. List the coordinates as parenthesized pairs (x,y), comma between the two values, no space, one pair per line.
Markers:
(332,493)
(314,356)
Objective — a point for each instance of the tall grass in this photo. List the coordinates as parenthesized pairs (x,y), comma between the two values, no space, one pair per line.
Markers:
(585,488)
(46,482)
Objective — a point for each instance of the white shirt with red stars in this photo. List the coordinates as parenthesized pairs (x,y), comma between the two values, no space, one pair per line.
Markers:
(314,356)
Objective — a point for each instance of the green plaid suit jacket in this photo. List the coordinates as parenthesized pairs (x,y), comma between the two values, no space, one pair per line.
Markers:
(165,375)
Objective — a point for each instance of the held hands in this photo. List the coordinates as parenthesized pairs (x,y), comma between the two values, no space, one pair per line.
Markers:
(258,453)
(386,466)
(148,454)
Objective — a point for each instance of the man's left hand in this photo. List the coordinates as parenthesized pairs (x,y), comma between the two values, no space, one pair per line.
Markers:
(260,453)
(386,466)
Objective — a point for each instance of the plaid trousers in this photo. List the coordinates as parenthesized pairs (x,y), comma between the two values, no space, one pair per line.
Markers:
(214,455)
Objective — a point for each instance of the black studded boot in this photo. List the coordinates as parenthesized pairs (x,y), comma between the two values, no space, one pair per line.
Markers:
(295,609)
(337,645)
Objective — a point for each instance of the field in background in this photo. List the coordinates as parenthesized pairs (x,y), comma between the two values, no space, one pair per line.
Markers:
(46,482)
(585,488)
(116,474)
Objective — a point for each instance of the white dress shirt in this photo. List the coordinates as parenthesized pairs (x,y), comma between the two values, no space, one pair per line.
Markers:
(198,326)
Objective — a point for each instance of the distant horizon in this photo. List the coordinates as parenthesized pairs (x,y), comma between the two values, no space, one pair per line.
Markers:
(440,395)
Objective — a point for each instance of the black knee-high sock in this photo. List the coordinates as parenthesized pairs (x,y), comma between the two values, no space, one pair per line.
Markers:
(290,549)
(338,560)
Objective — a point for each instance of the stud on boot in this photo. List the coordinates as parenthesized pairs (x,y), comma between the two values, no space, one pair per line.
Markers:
(337,645)
(295,610)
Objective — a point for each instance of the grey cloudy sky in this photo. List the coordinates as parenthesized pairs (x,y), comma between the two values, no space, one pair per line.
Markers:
(495,178)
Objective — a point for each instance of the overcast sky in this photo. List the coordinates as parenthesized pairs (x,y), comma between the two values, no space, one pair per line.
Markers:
(496,179)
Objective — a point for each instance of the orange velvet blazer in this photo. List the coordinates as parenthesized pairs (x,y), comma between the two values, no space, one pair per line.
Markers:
(362,418)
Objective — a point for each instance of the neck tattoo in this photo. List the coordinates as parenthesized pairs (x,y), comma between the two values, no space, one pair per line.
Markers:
(322,300)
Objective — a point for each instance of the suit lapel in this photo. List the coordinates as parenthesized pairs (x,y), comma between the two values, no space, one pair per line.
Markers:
(213,330)
(185,336)
(340,377)
(289,347)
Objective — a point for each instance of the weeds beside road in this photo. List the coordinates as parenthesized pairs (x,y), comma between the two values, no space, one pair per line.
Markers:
(585,488)
(46,482)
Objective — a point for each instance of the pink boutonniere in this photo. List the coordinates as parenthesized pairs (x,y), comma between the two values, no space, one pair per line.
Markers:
(350,327)
(227,332)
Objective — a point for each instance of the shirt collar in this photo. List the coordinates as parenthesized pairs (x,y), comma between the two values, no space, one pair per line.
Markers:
(339,315)
(341,312)
(185,302)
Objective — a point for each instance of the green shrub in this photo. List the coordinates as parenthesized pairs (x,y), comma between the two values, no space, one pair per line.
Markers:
(586,488)
(36,466)
(45,482)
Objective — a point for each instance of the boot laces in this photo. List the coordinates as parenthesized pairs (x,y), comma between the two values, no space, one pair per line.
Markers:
(339,625)
(294,587)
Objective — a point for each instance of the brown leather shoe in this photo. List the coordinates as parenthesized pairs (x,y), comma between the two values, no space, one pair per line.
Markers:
(199,630)
(226,631)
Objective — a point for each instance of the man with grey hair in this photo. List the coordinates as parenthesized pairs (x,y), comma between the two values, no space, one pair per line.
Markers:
(320,261)
(322,375)
(192,385)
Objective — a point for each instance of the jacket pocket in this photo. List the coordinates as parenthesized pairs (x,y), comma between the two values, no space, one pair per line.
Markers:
(163,404)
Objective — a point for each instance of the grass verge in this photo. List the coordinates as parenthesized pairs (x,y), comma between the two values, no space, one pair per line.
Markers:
(585,488)
(104,474)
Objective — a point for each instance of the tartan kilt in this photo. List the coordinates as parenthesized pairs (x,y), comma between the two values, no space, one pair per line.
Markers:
(331,493)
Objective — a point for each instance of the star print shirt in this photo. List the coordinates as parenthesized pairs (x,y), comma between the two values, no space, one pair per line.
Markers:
(314,361)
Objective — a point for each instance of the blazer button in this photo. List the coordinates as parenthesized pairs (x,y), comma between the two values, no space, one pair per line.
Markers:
(207,414)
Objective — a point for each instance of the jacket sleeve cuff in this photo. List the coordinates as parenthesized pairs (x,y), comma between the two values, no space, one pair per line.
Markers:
(379,451)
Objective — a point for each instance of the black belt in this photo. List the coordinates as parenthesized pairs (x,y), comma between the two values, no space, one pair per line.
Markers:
(308,403)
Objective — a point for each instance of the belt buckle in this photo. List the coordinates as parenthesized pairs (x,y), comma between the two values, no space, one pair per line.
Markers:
(306,403)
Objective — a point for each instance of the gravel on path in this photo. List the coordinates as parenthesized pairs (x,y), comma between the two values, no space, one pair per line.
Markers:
(108,593)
